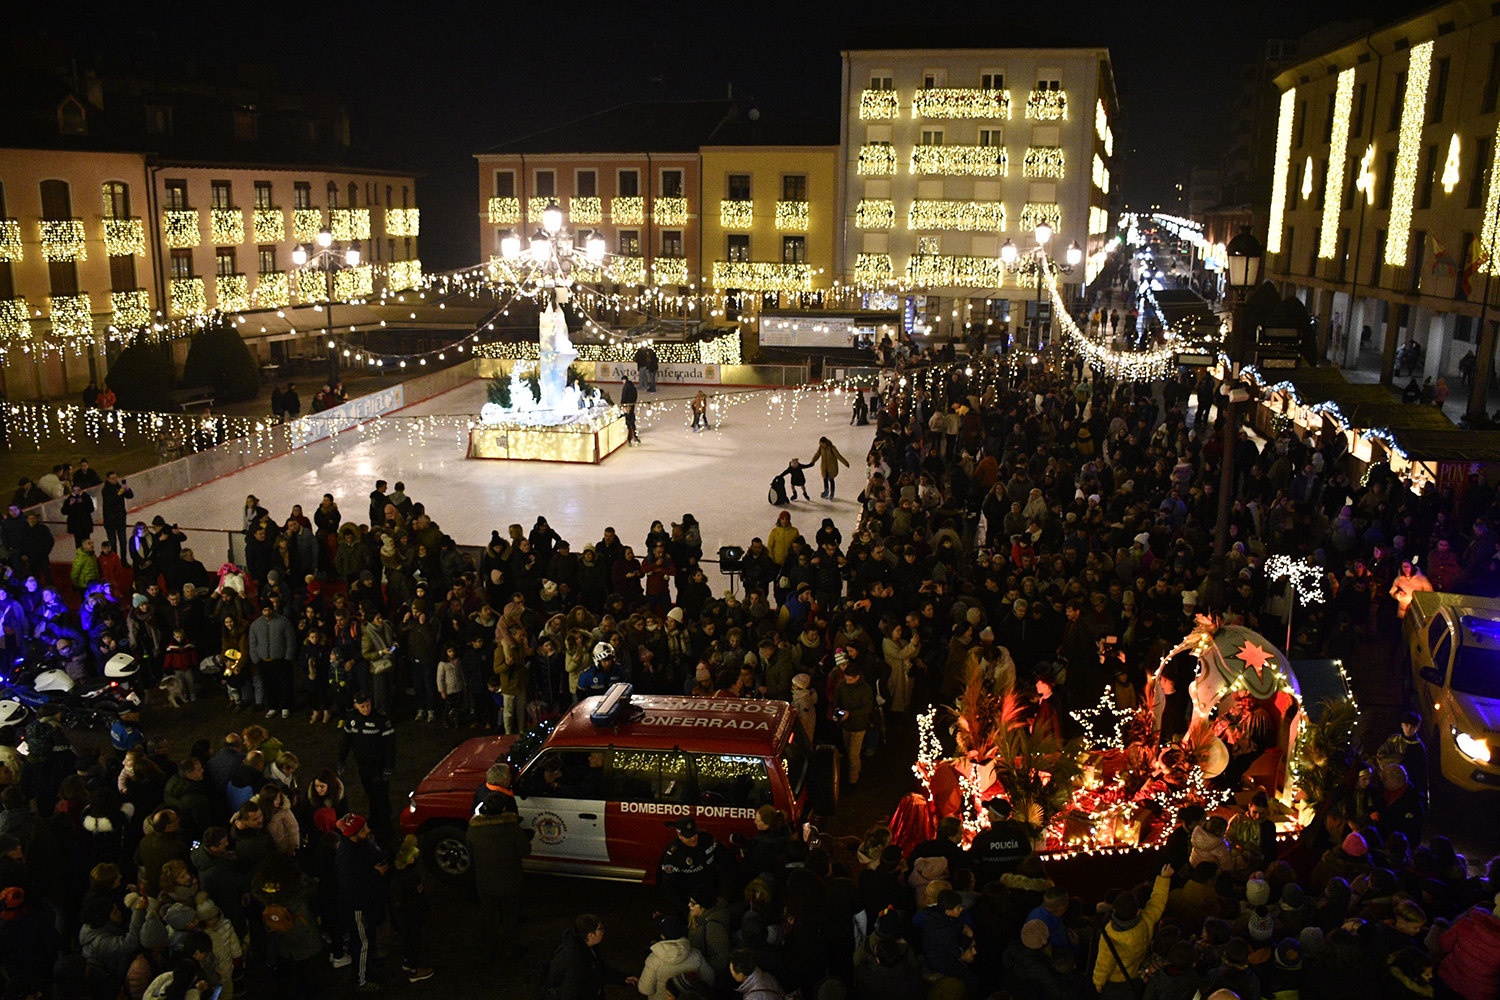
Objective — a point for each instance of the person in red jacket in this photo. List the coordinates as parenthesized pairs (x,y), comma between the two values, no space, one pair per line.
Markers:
(1470,962)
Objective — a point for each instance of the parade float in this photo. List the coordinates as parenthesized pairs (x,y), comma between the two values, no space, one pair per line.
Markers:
(1118,785)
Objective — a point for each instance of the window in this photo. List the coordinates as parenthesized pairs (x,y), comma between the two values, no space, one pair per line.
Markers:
(1320,174)
(566,774)
(882,83)
(932,78)
(932,137)
(671,183)
(1294,196)
(794,249)
(263,195)
(1360,93)
(1440,643)
(1389,180)
(1343,253)
(182,263)
(794,187)
(725,780)
(221,195)
(929,244)
(630,242)
(505,183)
(1466,252)
(646,776)
(176,195)
(390,200)
(1289,243)
(353,194)
(333,195)
(1438,96)
(586,184)
(992,81)
(405,196)
(629,183)
(301,194)
(546,184)
(224,262)
(737,247)
(158,120)
(1479,171)
(671,243)
(1418,258)
(1328,119)
(266,259)
(116,199)
(1397,100)
(738,187)
(1049,84)
(794,763)
(122,273)
(1375,264)
(1429,178)
(1301,122)
(991,137)
(1492,82)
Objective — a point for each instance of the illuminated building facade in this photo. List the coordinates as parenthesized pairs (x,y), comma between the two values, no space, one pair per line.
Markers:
(1385,210)
(948,151)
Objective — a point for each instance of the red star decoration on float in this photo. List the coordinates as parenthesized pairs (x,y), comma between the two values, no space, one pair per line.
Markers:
(1255,656)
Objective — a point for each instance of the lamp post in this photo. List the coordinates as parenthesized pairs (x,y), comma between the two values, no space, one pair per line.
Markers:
(328,260)
(1016,259)
(1243,270)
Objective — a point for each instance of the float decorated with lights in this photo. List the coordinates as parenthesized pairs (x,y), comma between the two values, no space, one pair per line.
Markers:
(1119,786)
(547,412)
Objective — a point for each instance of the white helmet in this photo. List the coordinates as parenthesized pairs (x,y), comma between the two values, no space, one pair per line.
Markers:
(53,682)
(603,651)
(121,665)
(11,712)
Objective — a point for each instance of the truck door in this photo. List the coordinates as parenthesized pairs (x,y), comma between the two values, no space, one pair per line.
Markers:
(560,795)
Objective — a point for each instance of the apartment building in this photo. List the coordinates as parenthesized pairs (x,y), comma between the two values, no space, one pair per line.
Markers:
(1385,201)
(947,152)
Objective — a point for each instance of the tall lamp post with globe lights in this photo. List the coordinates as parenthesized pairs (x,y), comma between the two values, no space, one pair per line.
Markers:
(1243,271)
(1016,260)
(329,260)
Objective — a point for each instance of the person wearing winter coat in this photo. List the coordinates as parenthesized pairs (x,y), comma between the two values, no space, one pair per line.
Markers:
(1128,935)
(106,938)
(281,825)
(409,909)
(291,951)
(754,983)
(670,956)
(709,932)
(829,458)
(575,971)
(498,845)
(1470,950)
(78,508)
(187,794)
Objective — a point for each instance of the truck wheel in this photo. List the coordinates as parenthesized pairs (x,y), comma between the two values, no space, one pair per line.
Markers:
(447,853)
(823,781)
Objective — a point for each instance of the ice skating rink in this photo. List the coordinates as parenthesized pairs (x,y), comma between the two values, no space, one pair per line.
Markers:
(719,476)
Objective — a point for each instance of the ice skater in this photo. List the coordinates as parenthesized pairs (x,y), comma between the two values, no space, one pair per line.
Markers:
(700,411)
(828,459)
(799,480)
(861,416)
(628,397)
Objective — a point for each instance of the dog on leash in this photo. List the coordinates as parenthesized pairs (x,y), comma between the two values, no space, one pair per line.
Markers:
(173,689)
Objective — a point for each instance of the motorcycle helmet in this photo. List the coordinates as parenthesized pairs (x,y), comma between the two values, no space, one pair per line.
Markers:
(603,651)
(121,666)
(12,712)
(53,682)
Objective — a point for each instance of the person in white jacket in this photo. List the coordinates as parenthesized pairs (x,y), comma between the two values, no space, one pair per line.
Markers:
(671,956)
(227,946)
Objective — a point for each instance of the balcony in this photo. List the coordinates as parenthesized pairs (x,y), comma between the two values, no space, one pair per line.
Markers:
(15,320)
(738,213)
(349,224)
(669,271)
(10,242)
(1034,213)
(131,310)
(404,274)
(875,213)
(627,270)
(762,276)
(878,105)
(72,315)
(226,226)
(1100,174)
(873,269)
(272,290)
(791,216)
(959,216)
(311,286)
(627,211)
(306,223)
(124,238)
(1047,105)
(585,210)
(876,159)
(959,161)
(945,271)
(354,283)
(403,222)
(269,225)
(233,291)
(186,297)
(180,229)
(504,211)
(960,103)
(670,211)
(535,207)
(1044,161)
(62,240)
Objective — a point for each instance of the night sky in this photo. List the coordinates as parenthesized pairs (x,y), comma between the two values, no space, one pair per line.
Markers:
(431,83)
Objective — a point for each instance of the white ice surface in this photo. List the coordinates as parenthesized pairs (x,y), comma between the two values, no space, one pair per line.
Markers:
(719,476)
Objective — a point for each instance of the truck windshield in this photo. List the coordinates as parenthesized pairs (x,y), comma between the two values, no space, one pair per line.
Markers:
(525,748)
(1476,671)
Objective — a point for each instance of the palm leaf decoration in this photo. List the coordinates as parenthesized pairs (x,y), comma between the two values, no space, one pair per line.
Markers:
(1326,749)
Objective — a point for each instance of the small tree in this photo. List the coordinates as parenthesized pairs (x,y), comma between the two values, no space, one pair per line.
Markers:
(497,390)
(219,358)
(141,378)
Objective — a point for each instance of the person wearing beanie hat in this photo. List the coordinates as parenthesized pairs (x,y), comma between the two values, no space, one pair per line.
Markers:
(672,956)
(1257,892)
(1235,974)
(360,866)
(1035,935)
(1128,934)
(1284,976)
(1355,846)
(1346,862)
(1259,926)
(227,946)
(805,704)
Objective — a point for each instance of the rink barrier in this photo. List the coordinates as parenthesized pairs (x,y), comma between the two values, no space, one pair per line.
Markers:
(751,376)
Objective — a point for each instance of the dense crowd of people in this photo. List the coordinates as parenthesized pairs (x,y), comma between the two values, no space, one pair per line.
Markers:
(1010,520)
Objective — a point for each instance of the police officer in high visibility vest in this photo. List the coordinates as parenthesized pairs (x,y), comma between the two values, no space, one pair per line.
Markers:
(690,862)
